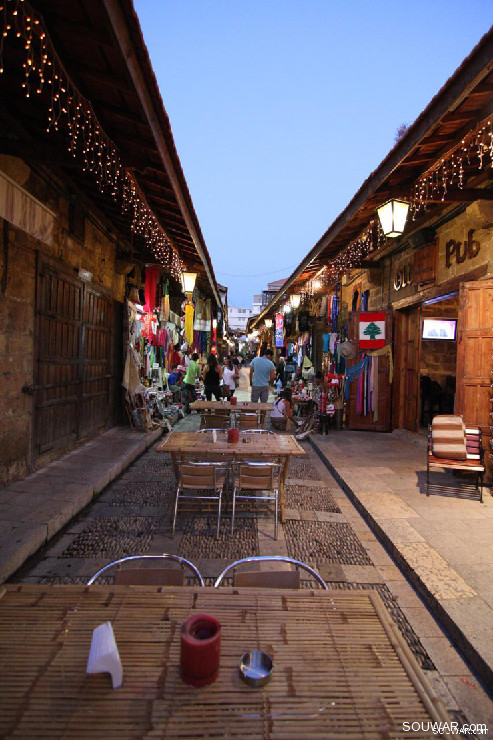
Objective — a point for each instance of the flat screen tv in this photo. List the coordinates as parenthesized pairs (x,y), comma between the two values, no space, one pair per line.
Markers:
(440,329)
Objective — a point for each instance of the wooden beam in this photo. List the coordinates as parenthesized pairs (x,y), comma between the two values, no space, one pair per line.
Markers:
(103,78)
(62,27)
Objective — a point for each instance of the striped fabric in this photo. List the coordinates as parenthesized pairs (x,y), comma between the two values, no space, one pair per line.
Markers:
(448,434)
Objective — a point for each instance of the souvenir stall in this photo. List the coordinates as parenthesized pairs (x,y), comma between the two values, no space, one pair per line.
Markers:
(162,332)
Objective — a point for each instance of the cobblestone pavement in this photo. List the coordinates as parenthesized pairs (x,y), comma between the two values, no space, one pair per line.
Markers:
(322,528)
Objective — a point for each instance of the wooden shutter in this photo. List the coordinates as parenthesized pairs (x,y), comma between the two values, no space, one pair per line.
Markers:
(424,268)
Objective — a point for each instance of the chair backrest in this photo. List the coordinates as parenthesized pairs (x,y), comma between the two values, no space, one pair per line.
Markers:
(258,475)
(448,437)
(150,577)
(217,421)
(200,474)
(165,556)
(268,579)
(269,559)
(247,418)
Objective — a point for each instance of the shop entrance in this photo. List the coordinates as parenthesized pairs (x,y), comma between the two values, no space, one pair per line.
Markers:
(426,361)
(74,352)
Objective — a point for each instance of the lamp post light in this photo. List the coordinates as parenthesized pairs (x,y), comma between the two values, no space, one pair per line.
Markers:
(295,300)
(392,215)
(268,323)
(188,282)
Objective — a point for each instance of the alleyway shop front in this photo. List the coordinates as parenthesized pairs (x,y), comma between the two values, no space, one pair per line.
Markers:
(98,232)
(404,310)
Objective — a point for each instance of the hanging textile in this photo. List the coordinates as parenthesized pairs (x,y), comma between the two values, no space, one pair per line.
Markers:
(152,274)
(189,311)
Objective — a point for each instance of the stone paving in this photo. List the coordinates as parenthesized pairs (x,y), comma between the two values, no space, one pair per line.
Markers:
(133,515)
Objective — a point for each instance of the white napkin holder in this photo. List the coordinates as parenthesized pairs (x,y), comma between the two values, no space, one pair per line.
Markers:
(104,656)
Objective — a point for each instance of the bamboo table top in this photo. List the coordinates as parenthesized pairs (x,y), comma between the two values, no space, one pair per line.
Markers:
(269,445)
(240,406)
(341,668)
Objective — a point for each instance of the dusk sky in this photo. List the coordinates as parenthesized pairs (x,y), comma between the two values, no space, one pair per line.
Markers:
(280,109)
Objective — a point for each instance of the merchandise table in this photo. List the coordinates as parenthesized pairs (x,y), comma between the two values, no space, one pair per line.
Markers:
(340,666)
(255,446)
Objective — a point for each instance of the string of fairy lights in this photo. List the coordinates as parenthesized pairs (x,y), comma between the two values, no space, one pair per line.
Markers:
(473,152)
(72,115)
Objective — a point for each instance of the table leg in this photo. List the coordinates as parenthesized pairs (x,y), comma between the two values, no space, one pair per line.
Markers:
(284,473)
(176,467)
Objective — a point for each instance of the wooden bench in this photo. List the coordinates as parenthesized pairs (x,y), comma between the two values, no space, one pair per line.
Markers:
(473,462)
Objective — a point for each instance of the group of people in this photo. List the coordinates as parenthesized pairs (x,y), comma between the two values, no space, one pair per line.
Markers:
(220,380)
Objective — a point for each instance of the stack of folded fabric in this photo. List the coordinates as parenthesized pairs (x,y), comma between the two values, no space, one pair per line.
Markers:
(448,435)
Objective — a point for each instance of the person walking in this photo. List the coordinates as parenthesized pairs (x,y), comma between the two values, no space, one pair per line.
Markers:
(188,385)
(230,373)
(289,370)
(212,376)
(262,374)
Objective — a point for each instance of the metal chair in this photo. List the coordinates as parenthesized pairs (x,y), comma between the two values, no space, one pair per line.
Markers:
(256,481)
(216,420)
(149,576)
(261,578)
(257,431)
(201,476)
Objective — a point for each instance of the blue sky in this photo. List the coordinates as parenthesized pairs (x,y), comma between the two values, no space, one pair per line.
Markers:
(281,108)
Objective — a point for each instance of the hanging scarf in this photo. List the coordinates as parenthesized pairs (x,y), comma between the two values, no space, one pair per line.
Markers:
(189,310)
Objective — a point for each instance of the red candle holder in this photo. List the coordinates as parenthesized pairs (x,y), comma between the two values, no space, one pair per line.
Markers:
(233,400)
(234,435)
(200,649)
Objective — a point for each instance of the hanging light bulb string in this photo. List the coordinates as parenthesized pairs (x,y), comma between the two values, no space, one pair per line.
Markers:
(70,114)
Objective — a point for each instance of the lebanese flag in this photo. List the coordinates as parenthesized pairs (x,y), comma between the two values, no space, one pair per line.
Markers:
(372,330)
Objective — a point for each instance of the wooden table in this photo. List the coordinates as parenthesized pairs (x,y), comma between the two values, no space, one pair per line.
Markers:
(282,446)
(341,668)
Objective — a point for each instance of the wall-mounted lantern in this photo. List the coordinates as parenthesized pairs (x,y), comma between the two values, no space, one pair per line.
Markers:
(392,215)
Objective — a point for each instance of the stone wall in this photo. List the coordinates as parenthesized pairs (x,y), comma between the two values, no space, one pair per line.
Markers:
(17,306)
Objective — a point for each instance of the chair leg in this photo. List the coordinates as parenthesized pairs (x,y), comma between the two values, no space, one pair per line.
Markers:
(276,513)
(233,510)
(175,509)
(218,514)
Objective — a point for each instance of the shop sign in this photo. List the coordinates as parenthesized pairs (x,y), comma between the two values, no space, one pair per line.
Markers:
(279,330)
(461,252)
(372,330)
(403,277)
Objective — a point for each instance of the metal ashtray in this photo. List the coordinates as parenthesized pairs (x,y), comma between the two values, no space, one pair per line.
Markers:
(256,667)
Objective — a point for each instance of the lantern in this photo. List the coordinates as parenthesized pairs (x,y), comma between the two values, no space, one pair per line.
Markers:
(392,215)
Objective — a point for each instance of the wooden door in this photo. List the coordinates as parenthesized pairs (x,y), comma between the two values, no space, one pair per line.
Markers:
(368,422)
(406,386)
(474,359)
(59,303)
(95,362)
(74,352)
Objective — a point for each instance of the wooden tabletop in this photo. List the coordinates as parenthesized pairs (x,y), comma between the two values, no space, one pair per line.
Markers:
(240,406)
(341,668)
(269,445)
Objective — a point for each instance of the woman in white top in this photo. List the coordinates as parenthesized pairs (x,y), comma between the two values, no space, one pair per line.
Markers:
(229,375)
(282,413)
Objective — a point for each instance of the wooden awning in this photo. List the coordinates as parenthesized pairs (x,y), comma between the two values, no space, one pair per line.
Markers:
(459,108)
(100,45)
